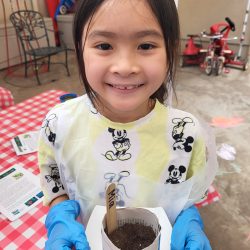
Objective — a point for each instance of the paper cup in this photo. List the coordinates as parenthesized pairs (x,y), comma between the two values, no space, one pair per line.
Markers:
(133,215)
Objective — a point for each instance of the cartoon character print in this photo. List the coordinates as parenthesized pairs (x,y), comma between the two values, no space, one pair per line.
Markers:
(121,145)
(55,177)
(47,128)
(120,188)
(181,142)
(175,174)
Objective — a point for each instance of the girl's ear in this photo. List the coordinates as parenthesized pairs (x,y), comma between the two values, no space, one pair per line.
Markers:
(111,130)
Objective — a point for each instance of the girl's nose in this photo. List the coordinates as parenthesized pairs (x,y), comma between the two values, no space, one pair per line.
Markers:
(125,65)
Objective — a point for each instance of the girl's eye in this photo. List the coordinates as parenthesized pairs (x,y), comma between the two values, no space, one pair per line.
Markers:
(104,46)
(146,46)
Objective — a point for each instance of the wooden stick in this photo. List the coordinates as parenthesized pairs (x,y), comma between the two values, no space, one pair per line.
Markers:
(111,217)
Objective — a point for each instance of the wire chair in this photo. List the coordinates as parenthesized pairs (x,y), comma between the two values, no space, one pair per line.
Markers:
(32,32)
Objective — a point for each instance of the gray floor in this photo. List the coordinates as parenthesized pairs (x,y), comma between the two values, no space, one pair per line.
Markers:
(227,222)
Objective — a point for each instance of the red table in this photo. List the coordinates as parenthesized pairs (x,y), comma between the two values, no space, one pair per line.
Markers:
(6,98)
(27,232)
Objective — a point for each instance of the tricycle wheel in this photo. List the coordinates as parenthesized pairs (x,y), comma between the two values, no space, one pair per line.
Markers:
(245,65)
(219,67)
(208,66)
(63,10)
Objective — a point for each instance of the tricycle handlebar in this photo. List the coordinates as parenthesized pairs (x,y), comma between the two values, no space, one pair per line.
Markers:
(231,23)
(204,34)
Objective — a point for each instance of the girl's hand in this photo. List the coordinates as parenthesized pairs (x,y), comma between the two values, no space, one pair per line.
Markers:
(64,231)
(187,233)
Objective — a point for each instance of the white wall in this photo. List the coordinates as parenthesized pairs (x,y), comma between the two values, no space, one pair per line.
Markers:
(198,15)
(39,5)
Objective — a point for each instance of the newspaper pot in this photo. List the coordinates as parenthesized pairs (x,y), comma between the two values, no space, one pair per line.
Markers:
(133,216)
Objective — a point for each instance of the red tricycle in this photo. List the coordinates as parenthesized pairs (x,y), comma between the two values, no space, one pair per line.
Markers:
(217,55)
(193,53)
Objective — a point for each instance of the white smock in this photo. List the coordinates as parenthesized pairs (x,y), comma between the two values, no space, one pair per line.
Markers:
(164,159)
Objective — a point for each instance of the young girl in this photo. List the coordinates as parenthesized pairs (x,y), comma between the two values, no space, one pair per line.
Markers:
(121,131)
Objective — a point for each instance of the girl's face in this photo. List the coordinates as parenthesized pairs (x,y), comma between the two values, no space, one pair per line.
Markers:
(125,58)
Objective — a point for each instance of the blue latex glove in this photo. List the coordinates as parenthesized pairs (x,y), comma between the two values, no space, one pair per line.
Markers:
(64,231)
(187,233)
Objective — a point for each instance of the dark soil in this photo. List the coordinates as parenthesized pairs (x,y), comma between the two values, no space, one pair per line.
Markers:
(132,236)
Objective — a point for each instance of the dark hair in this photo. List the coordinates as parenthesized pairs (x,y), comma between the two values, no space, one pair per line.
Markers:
(167,16)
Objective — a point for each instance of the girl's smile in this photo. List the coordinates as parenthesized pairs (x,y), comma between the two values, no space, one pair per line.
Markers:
(125,58)
(125,88)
